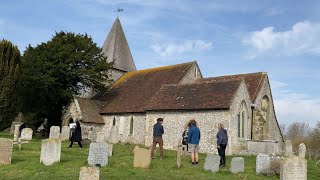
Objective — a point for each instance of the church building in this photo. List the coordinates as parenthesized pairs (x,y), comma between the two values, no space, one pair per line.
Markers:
(178,93)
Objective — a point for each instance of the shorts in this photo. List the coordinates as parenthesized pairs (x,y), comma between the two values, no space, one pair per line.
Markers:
(193,148)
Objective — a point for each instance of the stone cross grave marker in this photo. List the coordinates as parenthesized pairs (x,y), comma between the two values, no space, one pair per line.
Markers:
(98,154)
(262,163)
(50,151)
(26,134)
(6,146)
(288,148)
(101,137)
(110,149)
(54,132)
(65,133)
(16,132)
(212,163)
(237,165)
(142,158)
(302,150)
(89,173)
(293,168)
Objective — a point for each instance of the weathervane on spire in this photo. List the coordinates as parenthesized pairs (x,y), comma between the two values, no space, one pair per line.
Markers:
(118,11)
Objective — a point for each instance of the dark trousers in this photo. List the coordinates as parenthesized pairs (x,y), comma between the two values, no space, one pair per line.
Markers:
(71,143)
(222,154)
(157,140)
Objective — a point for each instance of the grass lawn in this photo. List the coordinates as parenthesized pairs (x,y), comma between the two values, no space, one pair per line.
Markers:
(26,165)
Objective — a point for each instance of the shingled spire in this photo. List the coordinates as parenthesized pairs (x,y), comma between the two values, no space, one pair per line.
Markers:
(117,50)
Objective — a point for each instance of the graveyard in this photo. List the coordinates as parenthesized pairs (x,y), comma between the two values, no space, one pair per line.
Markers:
(25,164)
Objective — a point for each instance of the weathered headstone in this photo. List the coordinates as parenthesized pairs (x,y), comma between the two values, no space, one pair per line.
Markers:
(65,133)
(50,151)
(179,153)
(101,137)
(26,134)
(98,154)
(5,150)
(114,136)
(110,149)
(302,150)
(237,165)
(142,158)
(212,163)
(293,168)
(288,148)
(262,163)
(89,173)
(16,132)
(54,132)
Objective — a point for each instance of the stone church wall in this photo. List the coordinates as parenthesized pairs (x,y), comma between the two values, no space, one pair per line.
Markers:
(115,74)
(122,122)
(175,121)
(73,111)
(193,74)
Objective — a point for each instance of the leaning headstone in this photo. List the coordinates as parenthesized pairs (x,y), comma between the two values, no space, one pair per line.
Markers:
(237,165)
(179,153)
(114,136)
(293,168)
(212,163)
(110,149)
(287,148)
(50,151)
(65,133)
(5,150)
(26,134)
(98,154)
(16,132)
(89,173)
(142,158)
(54,132)
(262,163)
(302,150)
(101,137)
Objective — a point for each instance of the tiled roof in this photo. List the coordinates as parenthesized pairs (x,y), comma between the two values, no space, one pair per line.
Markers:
(133,91)
(117,50)
(90,110)
(195,96)
(253,81)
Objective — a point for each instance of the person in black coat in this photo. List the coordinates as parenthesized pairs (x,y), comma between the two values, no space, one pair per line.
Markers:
(76,135)
(222,141)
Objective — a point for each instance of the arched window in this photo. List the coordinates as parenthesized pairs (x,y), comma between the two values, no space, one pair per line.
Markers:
(242,120)
(131,126)
(114,121)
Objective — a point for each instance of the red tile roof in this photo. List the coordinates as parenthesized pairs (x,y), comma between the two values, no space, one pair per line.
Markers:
(132,92)
(90,110)
(253,81)
(200,95)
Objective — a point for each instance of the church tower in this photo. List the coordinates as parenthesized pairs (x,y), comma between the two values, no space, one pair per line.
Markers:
(117,51)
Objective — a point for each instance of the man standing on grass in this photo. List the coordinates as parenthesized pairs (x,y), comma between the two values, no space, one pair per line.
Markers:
(157,137)
(222,141)
(193,141)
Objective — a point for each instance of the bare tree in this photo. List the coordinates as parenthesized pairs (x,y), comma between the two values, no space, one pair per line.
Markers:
(298,130)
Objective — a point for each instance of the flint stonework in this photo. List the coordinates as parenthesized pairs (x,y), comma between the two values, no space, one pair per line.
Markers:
(50,151)
(54,132)
(6,146)
(98,154)
(65,133)
(101,137)
(89,173)
(262,163)
(26,134)
(237,165)
(293,168)
(212,163)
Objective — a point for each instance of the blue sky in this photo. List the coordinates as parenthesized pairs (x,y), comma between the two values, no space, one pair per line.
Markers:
(223,36)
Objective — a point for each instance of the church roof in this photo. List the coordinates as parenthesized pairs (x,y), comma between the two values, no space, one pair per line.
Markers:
(133,91)
(253,81)
(117,50)
(195,96)
(90,110)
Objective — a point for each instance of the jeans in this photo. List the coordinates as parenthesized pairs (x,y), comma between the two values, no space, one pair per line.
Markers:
(222,154)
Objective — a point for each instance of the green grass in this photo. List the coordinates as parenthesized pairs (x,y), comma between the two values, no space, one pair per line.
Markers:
(26,165)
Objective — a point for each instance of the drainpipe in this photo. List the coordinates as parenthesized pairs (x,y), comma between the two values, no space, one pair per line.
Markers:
(252,107)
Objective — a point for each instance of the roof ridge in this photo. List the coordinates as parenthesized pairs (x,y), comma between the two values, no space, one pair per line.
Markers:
(245,74)
(205,82)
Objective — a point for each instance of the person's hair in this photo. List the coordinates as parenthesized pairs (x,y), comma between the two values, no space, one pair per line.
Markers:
(221,125)
(160,120)
(193,122)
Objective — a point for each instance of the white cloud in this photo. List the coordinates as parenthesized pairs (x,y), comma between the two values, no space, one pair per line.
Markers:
(303,38)
(169,49)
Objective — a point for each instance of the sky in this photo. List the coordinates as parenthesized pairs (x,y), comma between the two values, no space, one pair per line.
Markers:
(225,37)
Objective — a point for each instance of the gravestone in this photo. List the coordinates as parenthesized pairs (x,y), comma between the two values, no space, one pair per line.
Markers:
(263,163)
(50,151)
(6,146)
(293,168)
(114,136)
(179,153)
(101,137)
(98,154)
(212,163)
(16,132)
(54,132)
(302,150)
(26,134)
(89,173)
(288,148)
(237,165)
(142,158)
(65,133)
(110,149)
